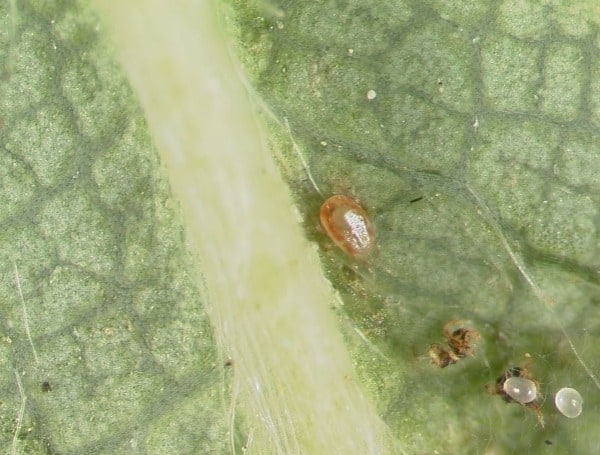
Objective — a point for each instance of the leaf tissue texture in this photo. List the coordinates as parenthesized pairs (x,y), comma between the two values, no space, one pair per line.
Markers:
(469,132)
(105,347)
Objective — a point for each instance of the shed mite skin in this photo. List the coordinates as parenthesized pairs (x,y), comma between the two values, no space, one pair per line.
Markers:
(459,344)
(347,224)
(517,372)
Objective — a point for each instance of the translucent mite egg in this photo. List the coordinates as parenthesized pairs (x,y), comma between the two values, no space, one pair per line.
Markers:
(348,226)
(569,402)
(520,389)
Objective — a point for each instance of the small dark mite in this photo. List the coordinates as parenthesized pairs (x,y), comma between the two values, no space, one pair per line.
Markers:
(524,394)
(46,387)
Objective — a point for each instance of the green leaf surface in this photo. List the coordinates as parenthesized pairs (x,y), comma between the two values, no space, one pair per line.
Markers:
(105,347)
(469,132)
(476,155)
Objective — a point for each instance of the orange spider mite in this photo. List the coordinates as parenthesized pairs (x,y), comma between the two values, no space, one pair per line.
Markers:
(348,226)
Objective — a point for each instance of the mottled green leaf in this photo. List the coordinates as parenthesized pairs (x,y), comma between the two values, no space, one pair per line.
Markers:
(101,325)
(467,129)
(469,132)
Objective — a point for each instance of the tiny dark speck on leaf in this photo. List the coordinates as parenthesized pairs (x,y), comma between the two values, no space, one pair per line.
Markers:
(548,442)
(417,199)
(46,387)
(229,363)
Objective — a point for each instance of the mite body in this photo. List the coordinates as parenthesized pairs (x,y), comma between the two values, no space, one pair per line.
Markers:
(517,385)
(348,226)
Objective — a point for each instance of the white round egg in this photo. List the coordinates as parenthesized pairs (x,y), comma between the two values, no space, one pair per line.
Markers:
(520,389)
(569,402)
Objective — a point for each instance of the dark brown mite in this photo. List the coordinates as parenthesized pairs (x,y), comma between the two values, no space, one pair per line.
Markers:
(46,387)
(346,223)
(499,389)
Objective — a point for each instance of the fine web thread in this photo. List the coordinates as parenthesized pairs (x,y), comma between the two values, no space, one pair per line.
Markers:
(25,315)
(302,159)
(19,422)
(264,108)
(518,261)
